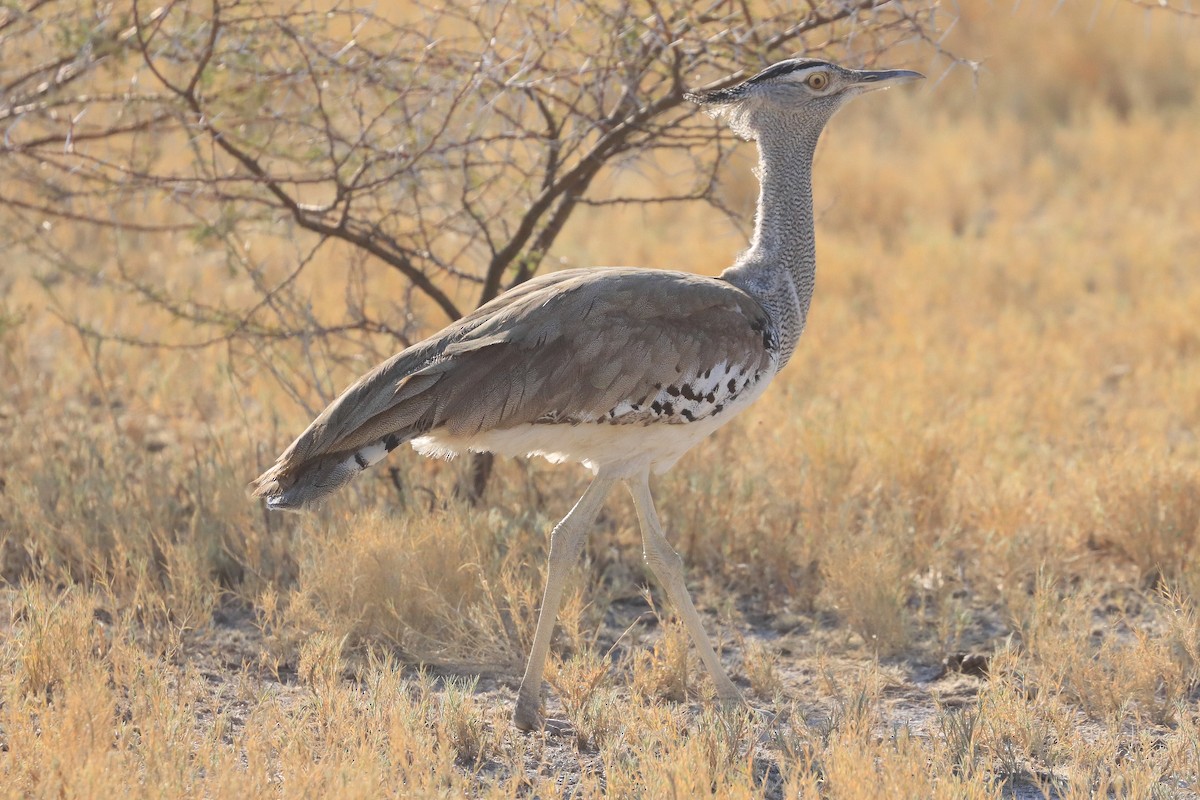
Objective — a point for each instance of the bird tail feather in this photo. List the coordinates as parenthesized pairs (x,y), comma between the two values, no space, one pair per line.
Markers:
(290,487)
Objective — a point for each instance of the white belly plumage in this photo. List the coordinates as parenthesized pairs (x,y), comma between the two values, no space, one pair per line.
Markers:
(600,443)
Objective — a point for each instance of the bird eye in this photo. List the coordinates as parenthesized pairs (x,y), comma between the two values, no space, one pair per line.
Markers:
(818,81)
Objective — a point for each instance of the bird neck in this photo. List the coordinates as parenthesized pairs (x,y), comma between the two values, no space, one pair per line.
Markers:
(779,268)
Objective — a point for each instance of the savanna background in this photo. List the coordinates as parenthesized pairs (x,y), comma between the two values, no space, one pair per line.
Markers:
(950,553)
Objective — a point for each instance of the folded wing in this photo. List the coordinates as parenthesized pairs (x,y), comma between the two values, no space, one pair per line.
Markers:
(579,346)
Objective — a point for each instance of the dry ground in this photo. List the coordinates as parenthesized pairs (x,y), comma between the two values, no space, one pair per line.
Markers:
(986,445)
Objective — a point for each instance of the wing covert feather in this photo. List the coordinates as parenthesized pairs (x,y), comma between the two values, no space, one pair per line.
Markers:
(596,343)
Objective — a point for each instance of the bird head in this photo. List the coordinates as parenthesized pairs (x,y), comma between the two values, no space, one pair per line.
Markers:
(795,90)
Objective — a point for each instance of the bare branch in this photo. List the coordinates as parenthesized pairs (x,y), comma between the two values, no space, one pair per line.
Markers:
(402,164)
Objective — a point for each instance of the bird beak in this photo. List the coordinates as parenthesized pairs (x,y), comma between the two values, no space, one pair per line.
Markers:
(868,80)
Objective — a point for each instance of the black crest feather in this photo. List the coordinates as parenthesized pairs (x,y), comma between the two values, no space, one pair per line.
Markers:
(735,93)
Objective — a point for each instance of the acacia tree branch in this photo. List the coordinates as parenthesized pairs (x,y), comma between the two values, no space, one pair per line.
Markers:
(454,147)
(560,196)
(393,255)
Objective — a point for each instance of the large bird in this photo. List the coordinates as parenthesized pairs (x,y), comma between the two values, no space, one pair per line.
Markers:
(622,370)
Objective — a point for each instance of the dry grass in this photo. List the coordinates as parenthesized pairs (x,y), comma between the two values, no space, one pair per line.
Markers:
(987,442)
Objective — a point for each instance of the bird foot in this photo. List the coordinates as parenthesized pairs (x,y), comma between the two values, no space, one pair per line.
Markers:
(767,716)
(730,699)
(739,705)
(536,723)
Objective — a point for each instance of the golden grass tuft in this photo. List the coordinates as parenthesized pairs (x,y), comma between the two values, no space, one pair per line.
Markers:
(1151,519)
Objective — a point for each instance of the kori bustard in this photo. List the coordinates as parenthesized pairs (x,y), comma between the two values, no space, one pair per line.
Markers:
(622,370)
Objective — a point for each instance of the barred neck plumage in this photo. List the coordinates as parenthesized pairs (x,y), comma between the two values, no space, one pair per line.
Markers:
(779,268)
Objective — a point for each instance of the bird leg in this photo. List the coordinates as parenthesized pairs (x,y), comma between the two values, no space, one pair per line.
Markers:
(566,543)
(667,566)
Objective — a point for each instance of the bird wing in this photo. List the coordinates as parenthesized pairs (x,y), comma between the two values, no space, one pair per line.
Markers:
(391,381)
(569,346)
(596,342)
